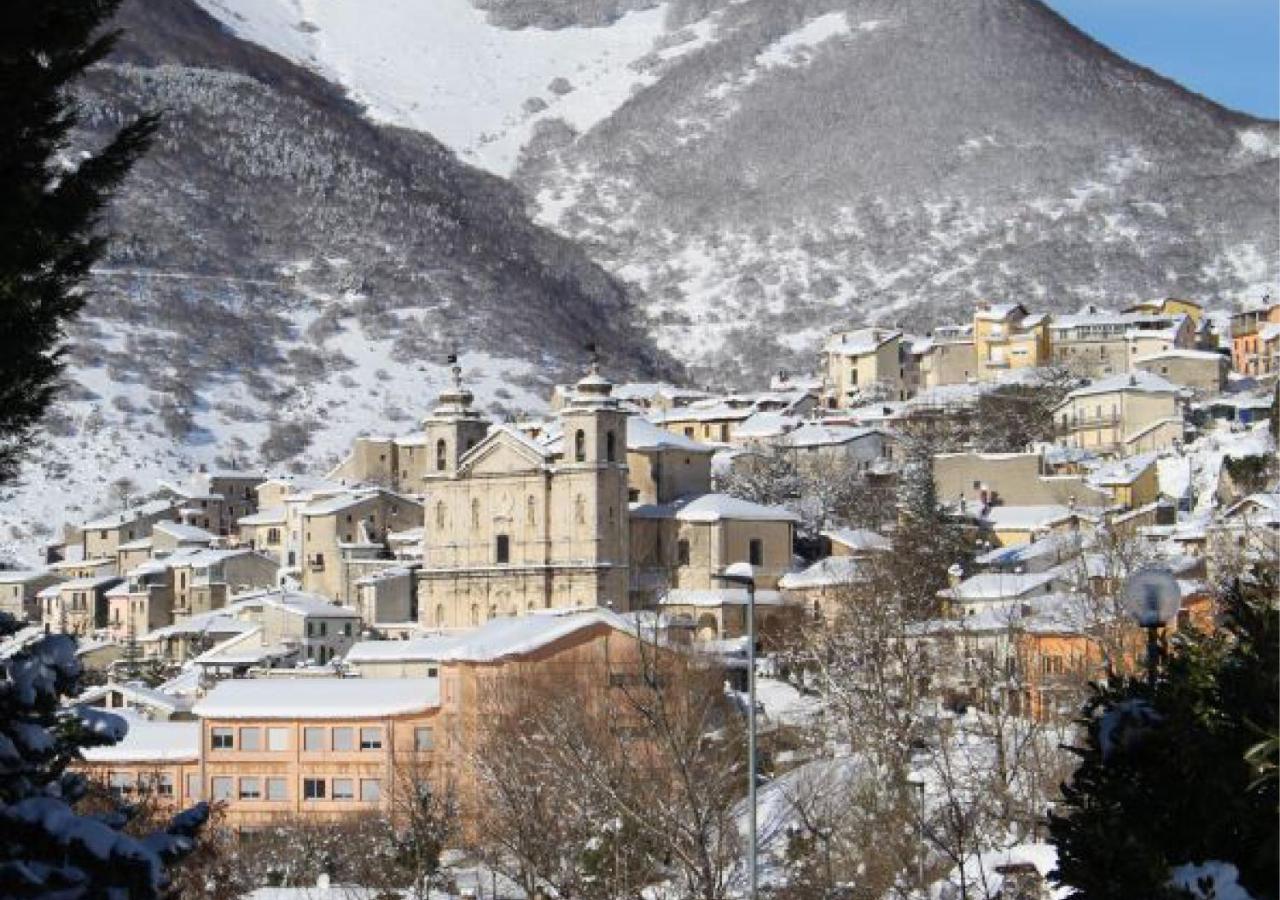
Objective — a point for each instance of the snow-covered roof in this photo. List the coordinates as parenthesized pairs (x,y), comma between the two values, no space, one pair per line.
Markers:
(1269,332)
(997,312)
(421,649)
(1182,353)
(829,572)
(318,698)
(999,586)
(305,604)
(143,543)
(718,507)
(857,343)
(1054,545)
(80,584)
(148,741)
(272,515)
(763,425)
(215,622)
(518,635)
(1017,518)
(1138,380)
(337,503)
(816,434)
(644,435)
(137,692)
(133,514)
(858,539)
(1121,471)
(183,532)
(22,576)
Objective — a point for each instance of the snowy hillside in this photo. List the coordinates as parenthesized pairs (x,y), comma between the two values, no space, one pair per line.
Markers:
(795,164)
(441,67)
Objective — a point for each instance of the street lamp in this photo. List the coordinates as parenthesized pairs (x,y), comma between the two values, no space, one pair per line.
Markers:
(1152,598)
(743,574)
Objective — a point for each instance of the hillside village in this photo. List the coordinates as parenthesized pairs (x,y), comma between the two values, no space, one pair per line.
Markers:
(282,643)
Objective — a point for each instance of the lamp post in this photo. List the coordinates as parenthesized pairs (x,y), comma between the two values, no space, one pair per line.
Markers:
(741,573)
(916,781)
(1152,598)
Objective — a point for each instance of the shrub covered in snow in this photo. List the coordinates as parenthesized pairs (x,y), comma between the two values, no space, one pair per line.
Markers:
(49,849)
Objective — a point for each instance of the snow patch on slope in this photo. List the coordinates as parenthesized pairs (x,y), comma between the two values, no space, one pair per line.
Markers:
(439,66)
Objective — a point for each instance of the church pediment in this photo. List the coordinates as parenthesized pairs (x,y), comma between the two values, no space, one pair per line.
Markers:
(502,453)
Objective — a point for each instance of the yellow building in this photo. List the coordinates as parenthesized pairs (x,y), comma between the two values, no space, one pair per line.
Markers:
(1006,337)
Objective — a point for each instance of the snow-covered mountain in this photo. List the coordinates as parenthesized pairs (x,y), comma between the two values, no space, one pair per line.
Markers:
(760,168)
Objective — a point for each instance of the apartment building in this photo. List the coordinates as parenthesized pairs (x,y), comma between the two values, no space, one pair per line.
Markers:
(1202,372)
(320,748)
(1122,415)
(946,356)
(1006,337)
(662,466)
(101,537)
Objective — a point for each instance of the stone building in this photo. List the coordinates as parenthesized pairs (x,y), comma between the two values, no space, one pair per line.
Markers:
(514,524)
(866,364)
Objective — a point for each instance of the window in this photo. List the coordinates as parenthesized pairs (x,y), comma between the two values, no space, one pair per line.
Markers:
(424,738)
(755,552)
(277,738)
(273,535)
(164,784)
(611,447)
(344,739)
(346,629)
(120,782)
(251,788)
(370,790)
(682,552)
(313,739)
(313,789)
(579,446)
(344,789)
(222,785)
(442,453)
(250,738)
(222,739)
(371,738)
(193,787)
(276,789)
(502,549)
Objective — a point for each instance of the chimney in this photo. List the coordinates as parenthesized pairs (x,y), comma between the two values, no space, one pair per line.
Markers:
(955,574)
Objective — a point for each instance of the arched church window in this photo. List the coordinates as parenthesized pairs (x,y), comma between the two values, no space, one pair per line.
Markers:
(611,447)
(580,446)
(442,454)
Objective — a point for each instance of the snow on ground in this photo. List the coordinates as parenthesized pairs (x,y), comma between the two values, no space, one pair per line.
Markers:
(440,67)
(70,477)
